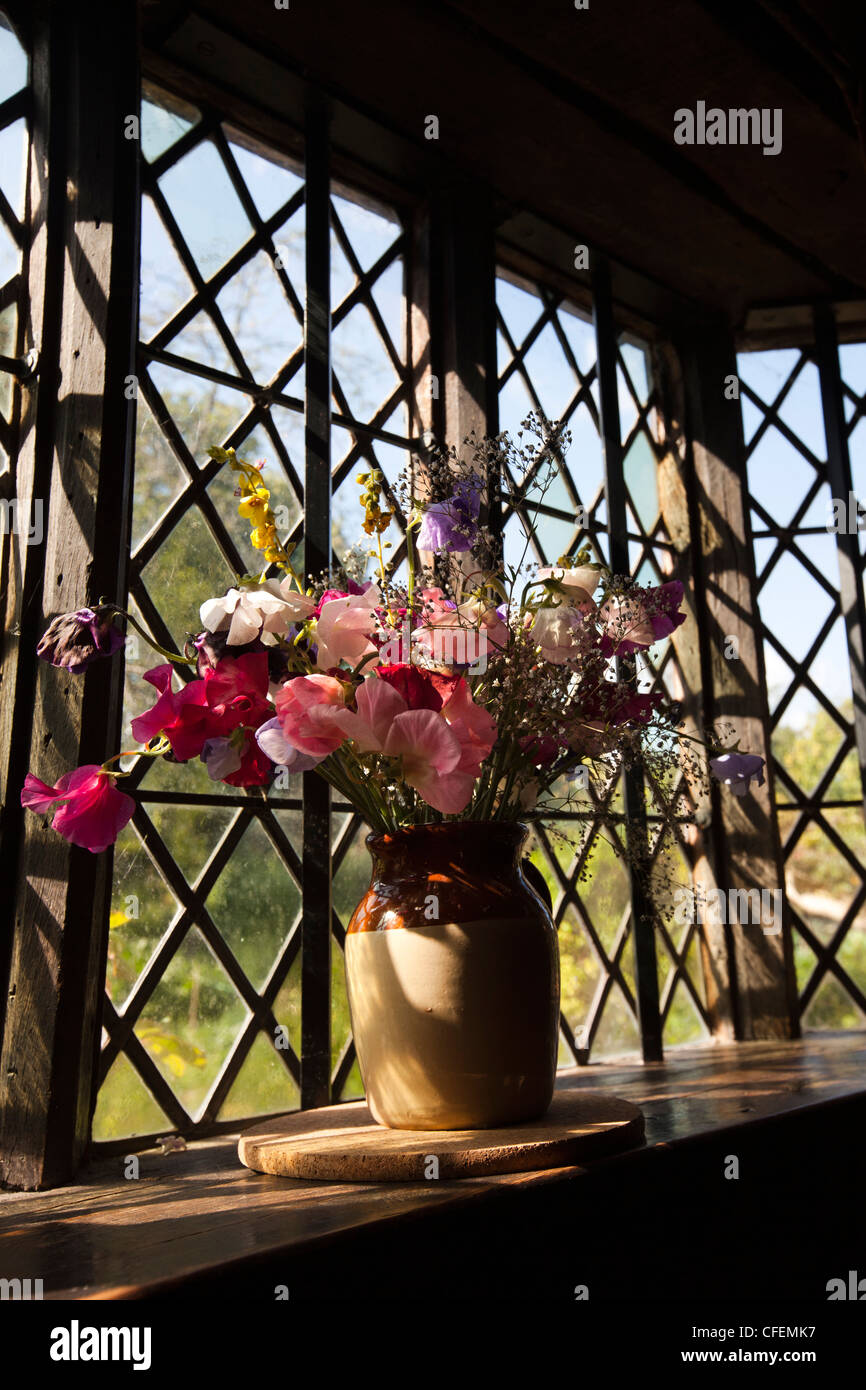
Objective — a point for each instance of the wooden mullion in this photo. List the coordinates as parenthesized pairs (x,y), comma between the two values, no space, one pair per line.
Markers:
(345,1062)
(745,830)
(643,923)
(85,74)
(316,867)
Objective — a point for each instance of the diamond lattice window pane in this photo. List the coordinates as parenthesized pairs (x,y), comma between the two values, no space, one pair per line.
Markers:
(164,285)
(260,319)
(271,185)
(812,708)
(255,875)
(13,63)
(263,1086)
(191,1020)
(163,125)
(208,211)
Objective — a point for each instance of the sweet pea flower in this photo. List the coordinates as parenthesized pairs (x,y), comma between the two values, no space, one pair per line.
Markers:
(221,757)
(451,636)
(232,694)
(92,811)
(453,524)
(738,770)
(74,640)
(578,584)
(255,768)
(344,627)
(641,617)
(559,633)
(308,709)
(266,612)
(473,725)
(274,744)
(441,751)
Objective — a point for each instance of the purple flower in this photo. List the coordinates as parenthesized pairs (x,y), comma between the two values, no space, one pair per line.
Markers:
(453,524)
(737,770)
(220,757)
(273,743)
(74,640)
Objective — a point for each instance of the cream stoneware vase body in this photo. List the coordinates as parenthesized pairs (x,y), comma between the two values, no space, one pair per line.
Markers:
(452,968)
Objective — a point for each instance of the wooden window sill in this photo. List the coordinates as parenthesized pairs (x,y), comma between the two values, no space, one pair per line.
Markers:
(198,1214)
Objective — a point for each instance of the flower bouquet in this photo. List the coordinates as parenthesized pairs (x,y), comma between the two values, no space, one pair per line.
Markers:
(449,699)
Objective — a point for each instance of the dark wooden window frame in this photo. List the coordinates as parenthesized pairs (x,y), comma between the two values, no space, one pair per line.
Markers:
(82,315)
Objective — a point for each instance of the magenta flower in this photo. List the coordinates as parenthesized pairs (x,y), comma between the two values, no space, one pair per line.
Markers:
(92,812)
(635,620)
(738,770)
(74,640)
(231,694)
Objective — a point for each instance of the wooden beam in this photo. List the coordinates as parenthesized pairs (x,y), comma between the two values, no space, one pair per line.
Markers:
(85,69)
(690,647)
(735,689)
(642,922)
(316,853)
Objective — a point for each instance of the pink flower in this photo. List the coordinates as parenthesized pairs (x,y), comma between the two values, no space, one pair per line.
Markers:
(441,752)
(93,812)
(344,627)
(431,756)
(641,617)
(275,745)
(450,636)
(308,709)
(474,727)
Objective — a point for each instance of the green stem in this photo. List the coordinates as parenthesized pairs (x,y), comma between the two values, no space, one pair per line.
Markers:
(163,651)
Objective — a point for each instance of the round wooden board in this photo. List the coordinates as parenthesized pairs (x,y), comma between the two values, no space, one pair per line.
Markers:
(342,1143)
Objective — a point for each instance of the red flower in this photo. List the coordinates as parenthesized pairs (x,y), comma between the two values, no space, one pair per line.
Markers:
(93,811)
(421,689)
(256,768)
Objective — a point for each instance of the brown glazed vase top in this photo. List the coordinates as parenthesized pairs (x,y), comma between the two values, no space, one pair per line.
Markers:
(453,979)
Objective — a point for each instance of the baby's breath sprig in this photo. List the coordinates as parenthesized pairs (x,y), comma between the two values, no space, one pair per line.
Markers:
(254,507)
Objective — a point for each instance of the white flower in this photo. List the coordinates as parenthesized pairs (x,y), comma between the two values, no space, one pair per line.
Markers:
(579,584)
(266,611)
(557,632)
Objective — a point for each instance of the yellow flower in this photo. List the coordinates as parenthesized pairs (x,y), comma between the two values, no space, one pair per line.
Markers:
(253,508)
